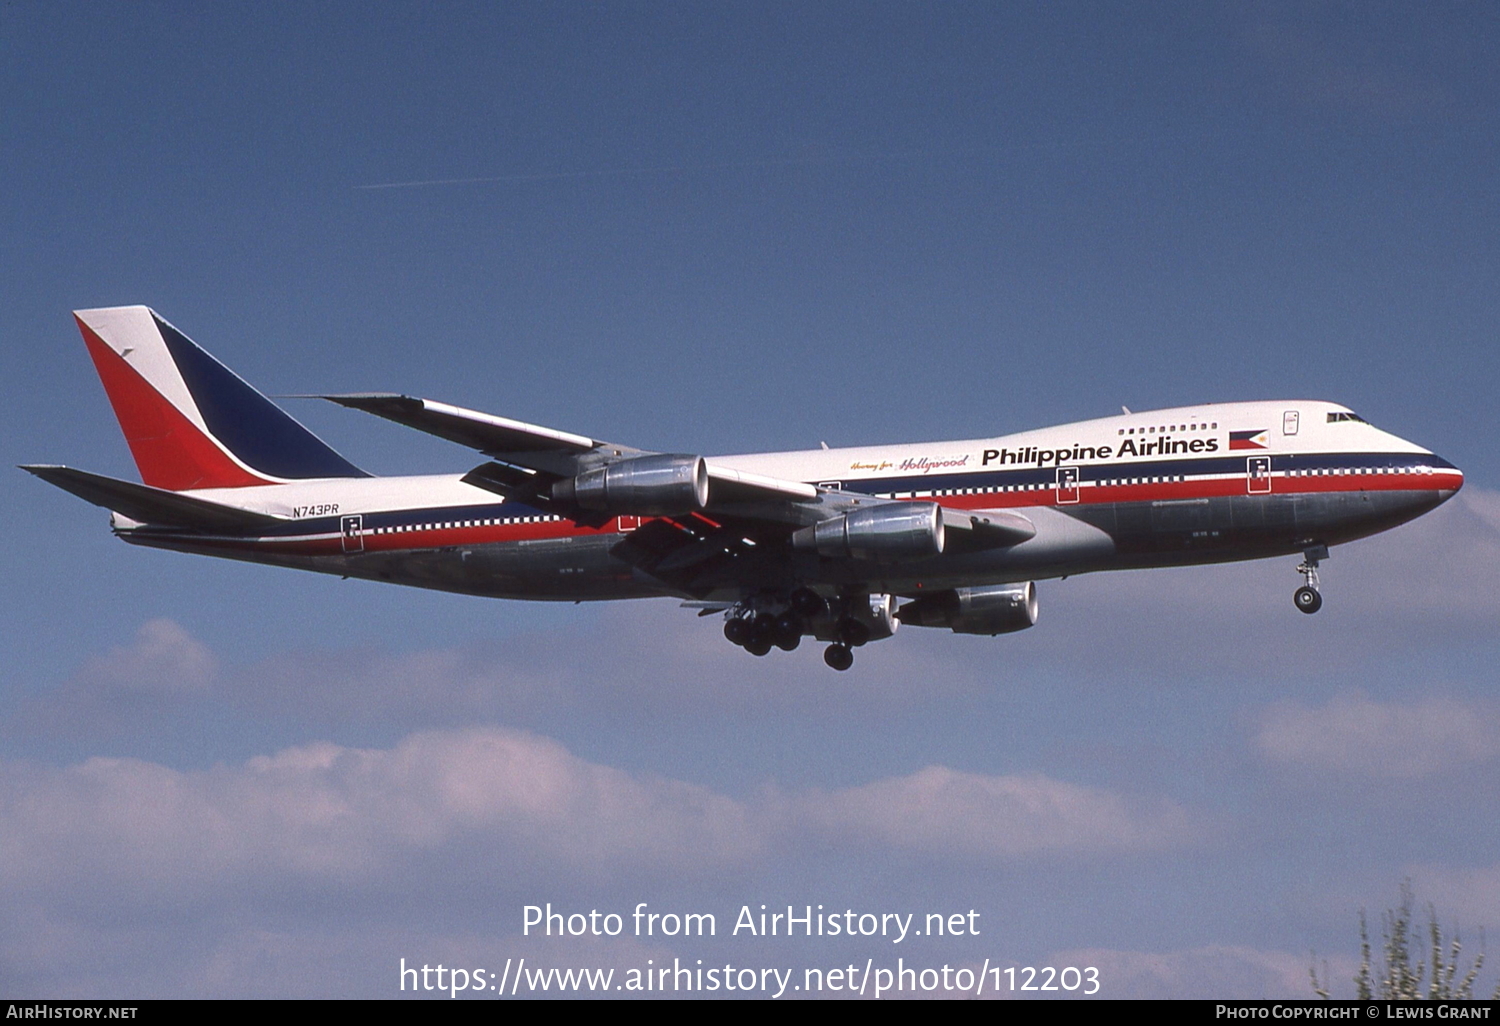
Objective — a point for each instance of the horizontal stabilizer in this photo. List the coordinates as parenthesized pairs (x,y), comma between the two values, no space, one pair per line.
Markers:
(489,434)
(148,505)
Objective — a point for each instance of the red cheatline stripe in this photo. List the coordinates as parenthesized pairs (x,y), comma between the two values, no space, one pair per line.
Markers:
(436,537)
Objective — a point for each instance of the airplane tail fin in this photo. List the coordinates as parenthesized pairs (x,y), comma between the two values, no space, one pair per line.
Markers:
(190,421)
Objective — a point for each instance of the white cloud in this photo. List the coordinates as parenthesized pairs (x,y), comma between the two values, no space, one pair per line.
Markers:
(940,810)
(319,848)
(159,680)
(163,659)
(1356,734)
(324,814)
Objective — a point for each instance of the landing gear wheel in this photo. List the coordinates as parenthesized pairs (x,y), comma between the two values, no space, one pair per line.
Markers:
(760,634)
(1307,597)
(807,603)
(787,631)
(737,631)
(852,632)
(839,657)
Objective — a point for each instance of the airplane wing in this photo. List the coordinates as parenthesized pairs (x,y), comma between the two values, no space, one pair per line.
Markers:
(738,485)
(543,451)
(736,522)
(489,434)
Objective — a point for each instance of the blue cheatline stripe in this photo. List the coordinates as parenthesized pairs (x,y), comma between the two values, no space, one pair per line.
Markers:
(248,424)
(426,519)
(996,476)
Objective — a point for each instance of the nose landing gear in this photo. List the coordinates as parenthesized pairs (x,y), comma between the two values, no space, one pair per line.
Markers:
(1307,598)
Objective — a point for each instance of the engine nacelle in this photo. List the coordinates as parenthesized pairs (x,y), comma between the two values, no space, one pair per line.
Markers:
(992,609)
(666,485)
(875,613)
(888,533)
(878,612)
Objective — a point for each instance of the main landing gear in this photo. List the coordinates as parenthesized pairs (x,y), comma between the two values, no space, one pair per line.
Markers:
(758,633)
(1308,598)
(757,627)
(769,621)
(851,634)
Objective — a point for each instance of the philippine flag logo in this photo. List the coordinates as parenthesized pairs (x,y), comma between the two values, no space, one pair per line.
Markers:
(1247,439)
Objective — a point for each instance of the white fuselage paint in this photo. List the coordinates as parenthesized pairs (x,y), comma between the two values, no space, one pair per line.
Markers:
(1063,478)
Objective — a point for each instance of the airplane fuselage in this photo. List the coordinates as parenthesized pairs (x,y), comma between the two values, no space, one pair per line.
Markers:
(1200,484)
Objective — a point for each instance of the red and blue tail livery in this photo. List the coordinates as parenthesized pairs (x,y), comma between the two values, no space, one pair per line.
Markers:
(190,421)
(840,545)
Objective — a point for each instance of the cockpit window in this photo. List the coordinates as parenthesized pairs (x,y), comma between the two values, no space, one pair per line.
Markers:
(1334,418)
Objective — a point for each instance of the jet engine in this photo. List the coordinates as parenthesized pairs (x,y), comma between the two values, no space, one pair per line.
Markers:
(991,609)
(666,485)
(888,533)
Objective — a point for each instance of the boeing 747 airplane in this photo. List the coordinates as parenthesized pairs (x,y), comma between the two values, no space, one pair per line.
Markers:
(843,545)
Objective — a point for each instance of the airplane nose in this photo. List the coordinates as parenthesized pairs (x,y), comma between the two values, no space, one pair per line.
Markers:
(1451,479)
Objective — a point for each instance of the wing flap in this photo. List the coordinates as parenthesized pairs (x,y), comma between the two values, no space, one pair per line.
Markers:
(676,555)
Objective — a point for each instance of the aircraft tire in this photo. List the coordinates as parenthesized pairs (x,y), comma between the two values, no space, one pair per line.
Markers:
(787,631)
(737,631)
(853,633)
(1308,600)
(807,603)
(839,657)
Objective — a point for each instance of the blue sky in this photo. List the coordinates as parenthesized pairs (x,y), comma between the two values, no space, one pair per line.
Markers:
(731,228)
